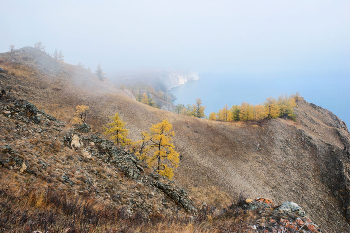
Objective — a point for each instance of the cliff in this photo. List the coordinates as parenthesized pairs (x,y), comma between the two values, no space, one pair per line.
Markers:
(175,79)
(160,80)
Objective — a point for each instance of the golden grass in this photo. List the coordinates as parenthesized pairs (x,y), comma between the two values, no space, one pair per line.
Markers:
(19,70)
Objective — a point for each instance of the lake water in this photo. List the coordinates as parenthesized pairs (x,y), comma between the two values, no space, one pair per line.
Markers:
(330,91)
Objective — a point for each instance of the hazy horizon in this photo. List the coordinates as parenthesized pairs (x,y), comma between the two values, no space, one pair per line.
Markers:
(252,37)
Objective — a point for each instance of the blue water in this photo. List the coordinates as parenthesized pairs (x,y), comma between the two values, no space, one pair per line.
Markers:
(330,91)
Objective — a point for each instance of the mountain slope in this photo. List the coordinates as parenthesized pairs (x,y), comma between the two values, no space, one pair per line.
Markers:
(303,161)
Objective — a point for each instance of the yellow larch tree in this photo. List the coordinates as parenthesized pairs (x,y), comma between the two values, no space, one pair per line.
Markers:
(271,108)
(161,151)
(144,98)
(259,112)
(191,110)
(80,114)
(227,113)
(117,131)
(219,115)
(140,148)
(297,96)
(224,114)
(246,112)
(212,116)
(286,106)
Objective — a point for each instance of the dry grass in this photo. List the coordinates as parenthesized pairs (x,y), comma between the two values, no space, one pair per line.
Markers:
(29,210)
(264,159)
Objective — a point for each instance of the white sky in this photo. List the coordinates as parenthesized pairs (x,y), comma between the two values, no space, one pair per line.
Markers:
(221,36)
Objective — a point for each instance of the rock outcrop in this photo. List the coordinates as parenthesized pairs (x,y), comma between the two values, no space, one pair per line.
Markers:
(261,215)
(129,164)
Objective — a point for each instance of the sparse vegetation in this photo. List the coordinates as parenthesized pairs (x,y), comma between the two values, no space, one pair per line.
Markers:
(196,110)
(58,55)
(283,107)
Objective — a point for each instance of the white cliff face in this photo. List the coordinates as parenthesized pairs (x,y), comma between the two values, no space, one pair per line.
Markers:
(175,79)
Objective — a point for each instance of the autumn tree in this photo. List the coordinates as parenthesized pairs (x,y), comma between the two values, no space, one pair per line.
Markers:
(286,106)
(140,148)
(117,131)
(199,109)
(219,115)
(212,116)
(80,114)
(297,96)
(271,108)
(259,112)
(191,110)
(101,76)
(160,152)
(225,114)
(144,98)
(247,112)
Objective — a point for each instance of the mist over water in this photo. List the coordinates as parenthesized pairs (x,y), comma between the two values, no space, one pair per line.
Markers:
(233,37)
(330,91)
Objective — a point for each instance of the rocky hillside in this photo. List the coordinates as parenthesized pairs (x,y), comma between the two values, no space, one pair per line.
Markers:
(305,162)
(43,162)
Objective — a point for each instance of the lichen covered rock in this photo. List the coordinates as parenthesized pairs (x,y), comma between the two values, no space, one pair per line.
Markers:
(290,207)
